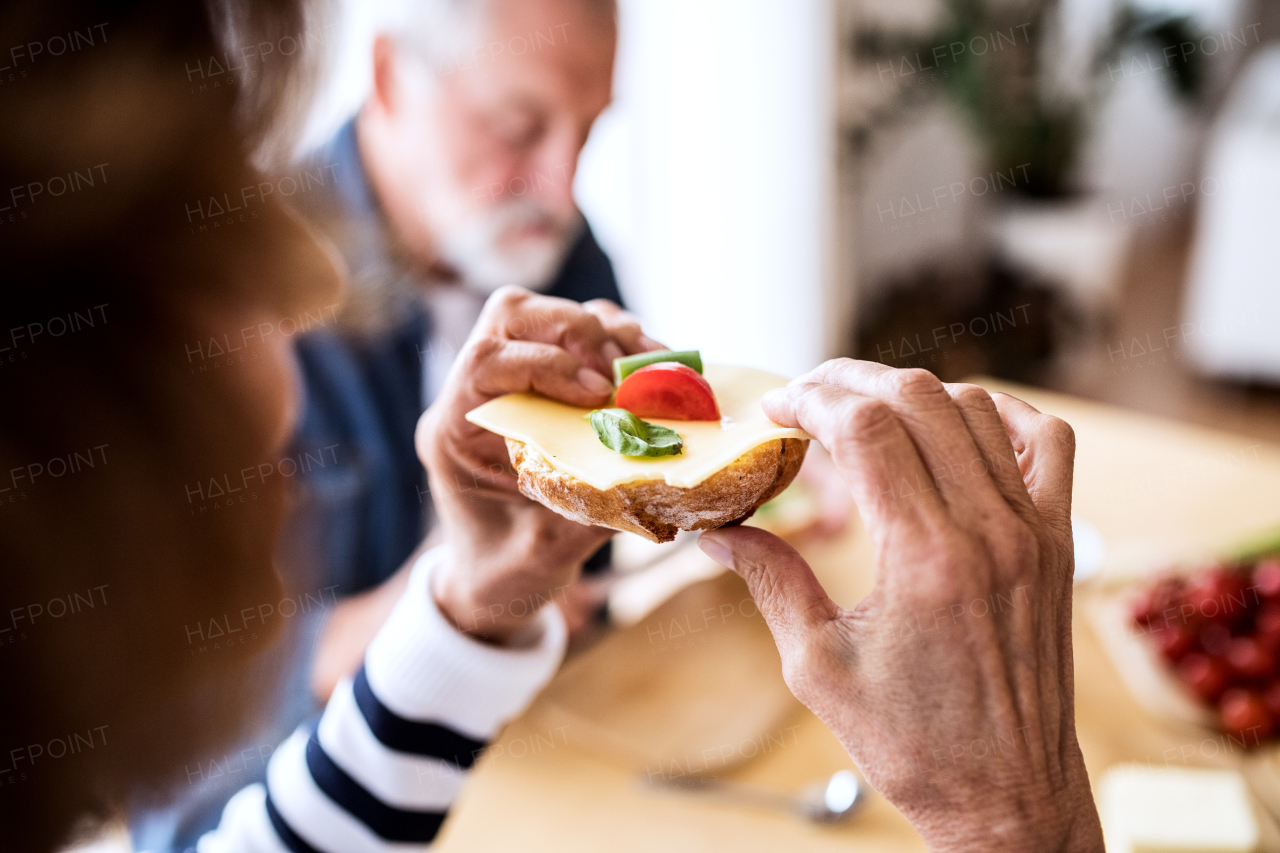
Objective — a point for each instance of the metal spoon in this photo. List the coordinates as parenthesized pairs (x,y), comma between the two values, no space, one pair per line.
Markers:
(833,800)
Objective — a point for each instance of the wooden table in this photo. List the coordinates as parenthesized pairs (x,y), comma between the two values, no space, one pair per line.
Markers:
(696,686)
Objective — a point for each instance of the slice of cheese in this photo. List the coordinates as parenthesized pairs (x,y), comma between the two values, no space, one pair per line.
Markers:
(563,435)
(1175,810)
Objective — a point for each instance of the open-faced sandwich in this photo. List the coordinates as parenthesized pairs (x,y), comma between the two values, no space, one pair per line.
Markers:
(681,448)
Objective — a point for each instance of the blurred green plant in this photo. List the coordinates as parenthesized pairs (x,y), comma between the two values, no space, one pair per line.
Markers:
(1001,90)
(1005,100)
(1167,34)
(998,93)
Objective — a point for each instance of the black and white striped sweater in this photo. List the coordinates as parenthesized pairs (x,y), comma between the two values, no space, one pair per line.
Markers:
(380,769)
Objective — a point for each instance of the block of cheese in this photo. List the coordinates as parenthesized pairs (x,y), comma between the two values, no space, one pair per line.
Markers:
(564,436)
(1163,810)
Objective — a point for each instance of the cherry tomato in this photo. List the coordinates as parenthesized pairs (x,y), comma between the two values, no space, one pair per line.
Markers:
(1248,659)
(1174,641)
(1219,595)
(1215,639)
(1206,676)
(1271,698)
(1159,603)
(1266,626)
(1266,578)
(668,390)
(1243,713)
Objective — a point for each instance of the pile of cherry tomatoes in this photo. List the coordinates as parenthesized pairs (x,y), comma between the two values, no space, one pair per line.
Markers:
(1220,629)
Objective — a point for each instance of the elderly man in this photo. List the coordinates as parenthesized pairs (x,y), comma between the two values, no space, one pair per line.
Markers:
(454,179)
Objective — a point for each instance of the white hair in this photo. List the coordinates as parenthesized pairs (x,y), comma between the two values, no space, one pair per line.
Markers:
(441,31)
(445,32)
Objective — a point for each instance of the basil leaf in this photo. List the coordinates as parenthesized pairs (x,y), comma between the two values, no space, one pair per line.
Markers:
(622,431)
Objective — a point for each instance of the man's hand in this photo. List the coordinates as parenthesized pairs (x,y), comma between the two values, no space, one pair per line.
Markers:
(510,556)
(951,683)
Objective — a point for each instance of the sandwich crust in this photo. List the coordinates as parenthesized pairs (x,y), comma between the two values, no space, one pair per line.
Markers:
(655,510)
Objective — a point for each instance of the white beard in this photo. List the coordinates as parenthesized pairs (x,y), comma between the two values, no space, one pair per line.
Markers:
(475,247)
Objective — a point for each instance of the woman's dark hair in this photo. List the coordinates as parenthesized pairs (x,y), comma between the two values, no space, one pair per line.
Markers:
(120,138)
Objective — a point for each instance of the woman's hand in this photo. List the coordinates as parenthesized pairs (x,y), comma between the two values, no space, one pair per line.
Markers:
(510,555)
(951,683)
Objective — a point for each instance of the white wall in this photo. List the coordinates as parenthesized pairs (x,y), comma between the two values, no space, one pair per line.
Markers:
(1233,297)
(711,181)
(348,45)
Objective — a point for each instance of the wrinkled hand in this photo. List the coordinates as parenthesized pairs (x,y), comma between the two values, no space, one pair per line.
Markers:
(510,555)
(951,683)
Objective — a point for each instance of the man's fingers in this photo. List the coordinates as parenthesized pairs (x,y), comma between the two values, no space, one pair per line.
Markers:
(491,366)
(999,462)
(793,603)
(596,333)
(870,449)
(1046,448)
(523,342)
(505,366)
(930,417)
(622,326)
(521,315)
(462,457)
